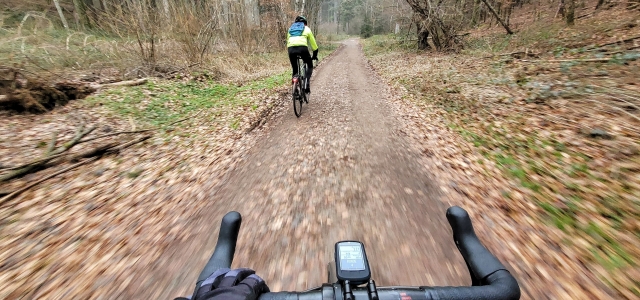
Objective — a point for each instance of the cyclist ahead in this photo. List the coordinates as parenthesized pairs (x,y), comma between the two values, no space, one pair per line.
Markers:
(298,37)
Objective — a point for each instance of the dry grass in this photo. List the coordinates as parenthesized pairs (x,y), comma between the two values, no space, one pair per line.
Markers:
(123,46)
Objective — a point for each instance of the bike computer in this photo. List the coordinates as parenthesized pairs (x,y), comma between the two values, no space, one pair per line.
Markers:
(351,262)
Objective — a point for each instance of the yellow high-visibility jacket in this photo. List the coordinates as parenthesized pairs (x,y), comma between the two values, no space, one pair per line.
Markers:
(302,40)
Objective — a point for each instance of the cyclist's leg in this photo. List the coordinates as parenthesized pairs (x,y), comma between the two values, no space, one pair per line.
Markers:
(306,57)
(293,58)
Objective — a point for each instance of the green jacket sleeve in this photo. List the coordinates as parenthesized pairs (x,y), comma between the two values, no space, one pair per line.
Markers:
(312,40)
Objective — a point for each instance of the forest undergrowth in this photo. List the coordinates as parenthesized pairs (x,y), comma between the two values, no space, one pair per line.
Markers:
(556,110)
(125,159)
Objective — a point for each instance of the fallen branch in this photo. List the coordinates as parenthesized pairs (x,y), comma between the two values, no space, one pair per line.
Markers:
(33,166)
(94,155)
(183,68)
(613,43)
(8,197)
(128,144)
(117,133)
(621,51)
(187,118)
(41,163)
(138,131)
(510,53)
(585,15)
(570,60)
(526,54)
(495,14)
(108,148)
(38,161)
(100,150)
(52,143)
(123,83)
(560,5)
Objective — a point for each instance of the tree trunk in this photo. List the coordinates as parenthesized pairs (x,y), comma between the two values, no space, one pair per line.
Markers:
(80,10)
(570,14)
(105,8)
(560,10)
(165,7)
(495,14)
(423,35)
(62,18)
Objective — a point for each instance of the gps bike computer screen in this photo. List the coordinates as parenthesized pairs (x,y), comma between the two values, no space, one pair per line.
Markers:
(351,262)
(351,257)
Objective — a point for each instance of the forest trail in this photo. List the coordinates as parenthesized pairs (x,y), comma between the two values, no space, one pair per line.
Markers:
(343,170)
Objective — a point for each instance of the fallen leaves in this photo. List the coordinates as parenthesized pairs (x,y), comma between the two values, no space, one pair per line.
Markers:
(571,167)
(79,234)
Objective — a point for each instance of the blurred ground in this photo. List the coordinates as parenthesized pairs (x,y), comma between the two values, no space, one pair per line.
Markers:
(361,162)
(550,116)
(345,169)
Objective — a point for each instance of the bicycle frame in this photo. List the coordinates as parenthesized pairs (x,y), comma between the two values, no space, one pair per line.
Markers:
(302,71)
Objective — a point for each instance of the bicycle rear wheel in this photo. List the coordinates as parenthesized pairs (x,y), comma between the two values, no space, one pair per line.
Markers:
(302,70)
(297,96)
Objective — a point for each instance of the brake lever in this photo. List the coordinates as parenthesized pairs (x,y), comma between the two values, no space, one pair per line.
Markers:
(222,256)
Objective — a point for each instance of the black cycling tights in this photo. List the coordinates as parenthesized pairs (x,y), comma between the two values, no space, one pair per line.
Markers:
(303,52)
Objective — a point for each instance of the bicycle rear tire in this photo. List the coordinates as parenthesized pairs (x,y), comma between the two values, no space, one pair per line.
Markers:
(302,65)
(304,91)
(297,96)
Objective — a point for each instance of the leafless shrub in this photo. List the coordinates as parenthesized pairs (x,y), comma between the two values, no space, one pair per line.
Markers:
(135,20)
(276,16)
(238,29)
(441,21)
(145,37)
(197,30)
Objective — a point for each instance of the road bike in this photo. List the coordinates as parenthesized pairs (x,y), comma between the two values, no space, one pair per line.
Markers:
(350,277)
(299,82)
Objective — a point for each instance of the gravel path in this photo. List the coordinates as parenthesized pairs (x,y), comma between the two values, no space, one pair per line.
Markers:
(343,170)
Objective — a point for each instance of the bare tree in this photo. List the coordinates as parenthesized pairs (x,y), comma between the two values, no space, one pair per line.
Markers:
(495,14)
(570,12)
(438,21)
(80,13)
(62,18)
